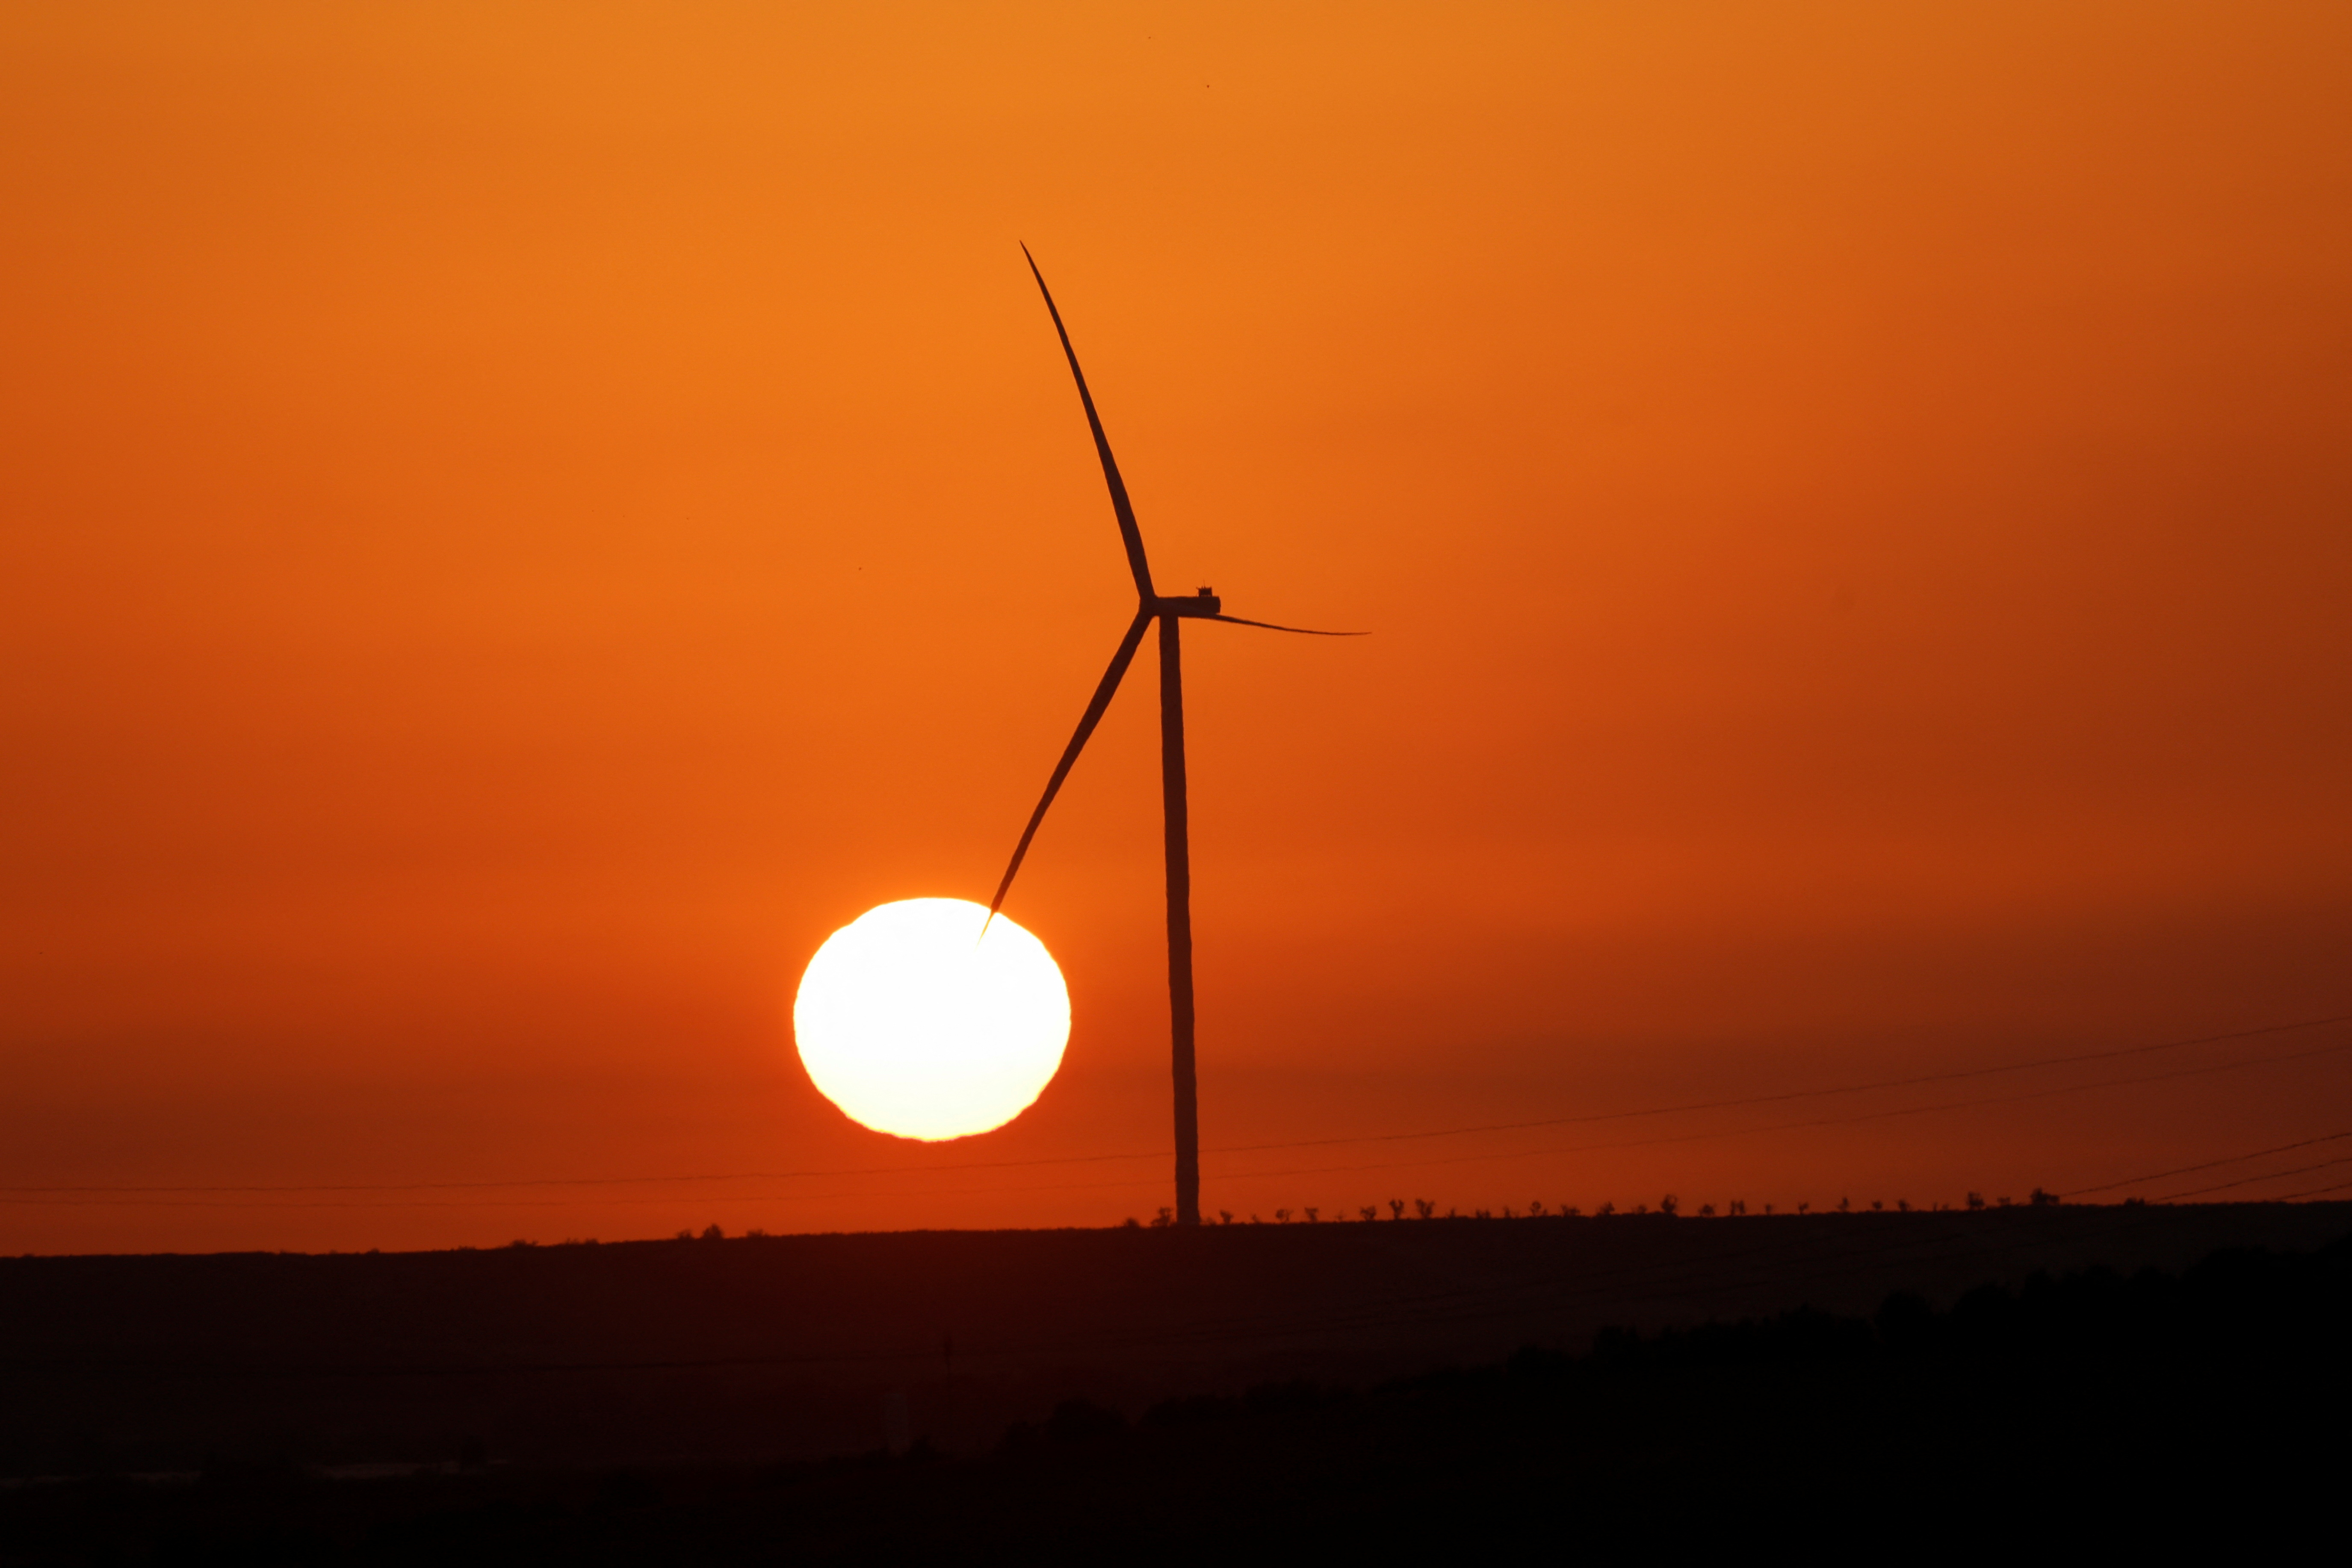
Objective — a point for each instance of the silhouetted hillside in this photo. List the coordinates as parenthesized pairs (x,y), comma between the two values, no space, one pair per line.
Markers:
(2107,1406)
(798,1347)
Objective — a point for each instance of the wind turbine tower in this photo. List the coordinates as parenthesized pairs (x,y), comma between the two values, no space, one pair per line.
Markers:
(1169,614)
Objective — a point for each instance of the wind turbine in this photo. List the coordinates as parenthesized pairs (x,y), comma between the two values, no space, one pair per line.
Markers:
(1169,612)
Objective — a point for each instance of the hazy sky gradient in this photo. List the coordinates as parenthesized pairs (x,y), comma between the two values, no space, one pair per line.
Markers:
(521,520)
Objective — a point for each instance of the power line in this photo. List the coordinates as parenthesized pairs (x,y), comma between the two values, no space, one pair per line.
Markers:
(2207,1165)
(1818,1121)
(1154,1181)
(2250,1181)
(1242,1148)
(1795,1094)
(2312,1192)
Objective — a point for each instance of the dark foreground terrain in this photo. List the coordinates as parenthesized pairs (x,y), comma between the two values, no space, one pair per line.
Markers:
(2111,1396)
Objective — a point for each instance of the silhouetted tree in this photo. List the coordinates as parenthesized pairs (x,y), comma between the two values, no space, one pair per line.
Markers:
(1570,1210)
(1225,1216)
(1845,1205)
(713,1234)
(1876,1206)
(1668,1204)
(1282,1216)
(1903,1206)
(1706,1211)
(2041,1199)
(1606,1210)
(1370,1212)
(1976,1200)
(1424,1207)
(1132,1222)
(1736,1205)
(1396,1208)
(1535,1207)
(1802,1205)
(1163,1219)
(1313,1215)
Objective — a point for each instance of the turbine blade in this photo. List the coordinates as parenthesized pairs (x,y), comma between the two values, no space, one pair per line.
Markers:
(1130,534)
(1269,625)
(1087,723)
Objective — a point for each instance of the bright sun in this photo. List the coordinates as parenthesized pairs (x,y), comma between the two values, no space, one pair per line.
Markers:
(917,1026)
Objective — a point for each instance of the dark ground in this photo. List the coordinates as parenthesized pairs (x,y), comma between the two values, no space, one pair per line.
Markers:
(674,1401)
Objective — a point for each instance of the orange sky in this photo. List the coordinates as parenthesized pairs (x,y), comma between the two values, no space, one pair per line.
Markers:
(521,520)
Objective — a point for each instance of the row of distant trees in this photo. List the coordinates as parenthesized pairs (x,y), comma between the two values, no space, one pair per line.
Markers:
(1670,1204)
(1535,1209)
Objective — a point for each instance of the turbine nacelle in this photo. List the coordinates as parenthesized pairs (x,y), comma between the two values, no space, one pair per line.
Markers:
(1204,603)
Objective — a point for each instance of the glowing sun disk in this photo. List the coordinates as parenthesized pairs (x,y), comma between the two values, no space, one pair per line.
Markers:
(916,1026)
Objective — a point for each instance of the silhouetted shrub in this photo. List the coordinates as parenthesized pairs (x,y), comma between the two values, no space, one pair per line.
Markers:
(1706,1211)
(1225,1216)
(1669,1204)
(1424,1207)
(712,1233)
(2041,1199)
(1976,1200)
(1076,1422)
(1163,1219)
(1282,1216)
(1313,1215)
(1369,1211)
(1533,1363)
(1192,1411)
(1273,1399)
